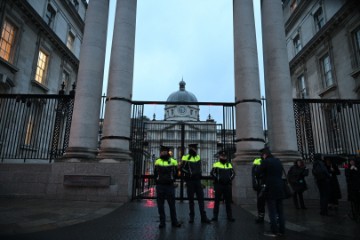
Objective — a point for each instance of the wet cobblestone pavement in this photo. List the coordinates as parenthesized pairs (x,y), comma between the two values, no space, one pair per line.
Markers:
(139,220)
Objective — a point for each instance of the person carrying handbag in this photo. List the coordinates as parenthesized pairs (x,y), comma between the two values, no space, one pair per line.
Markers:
(296,177)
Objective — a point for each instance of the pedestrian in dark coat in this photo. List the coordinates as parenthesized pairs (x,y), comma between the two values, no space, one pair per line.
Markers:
(296,177)
(272,171)
(335,192)
(352,173)
(322,178)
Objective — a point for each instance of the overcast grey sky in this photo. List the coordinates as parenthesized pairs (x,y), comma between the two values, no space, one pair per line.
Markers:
(189,39)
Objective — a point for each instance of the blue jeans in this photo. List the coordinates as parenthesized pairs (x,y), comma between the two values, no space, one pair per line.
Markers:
(276,215)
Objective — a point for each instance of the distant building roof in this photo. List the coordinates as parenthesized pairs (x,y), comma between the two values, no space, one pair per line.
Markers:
(182,95)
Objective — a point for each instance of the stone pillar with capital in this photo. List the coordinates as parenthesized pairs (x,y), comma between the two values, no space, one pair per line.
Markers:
(117,122)
(249,129)
(279,101)
(83,142)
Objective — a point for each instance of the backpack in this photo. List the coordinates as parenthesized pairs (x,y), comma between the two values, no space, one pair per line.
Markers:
(319,171)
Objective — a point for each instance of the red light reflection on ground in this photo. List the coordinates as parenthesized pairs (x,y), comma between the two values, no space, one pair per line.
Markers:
(151,192)
(150,203)
(211,194)
(210,204)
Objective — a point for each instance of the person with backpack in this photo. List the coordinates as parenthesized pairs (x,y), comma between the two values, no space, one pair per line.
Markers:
(296,176)
(322,178)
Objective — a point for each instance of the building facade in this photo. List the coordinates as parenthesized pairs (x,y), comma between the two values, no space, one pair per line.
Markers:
(323,45)
(40,45)
(182,126)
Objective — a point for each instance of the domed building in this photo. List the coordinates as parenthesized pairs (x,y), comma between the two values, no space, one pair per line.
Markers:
(182,126)
(181,112)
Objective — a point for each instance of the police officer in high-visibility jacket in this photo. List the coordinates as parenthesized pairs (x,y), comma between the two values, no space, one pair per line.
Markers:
(223,174)
(258,186)
(191,172)
(165,172)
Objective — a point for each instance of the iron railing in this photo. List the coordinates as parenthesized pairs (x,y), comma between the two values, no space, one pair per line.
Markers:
(147,136)
(327,126)
(35,127)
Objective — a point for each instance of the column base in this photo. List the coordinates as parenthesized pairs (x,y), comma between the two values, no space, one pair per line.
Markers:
(78,154)
(113,154)
(287,156)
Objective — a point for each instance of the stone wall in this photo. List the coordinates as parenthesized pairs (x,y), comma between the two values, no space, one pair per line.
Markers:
(47,181)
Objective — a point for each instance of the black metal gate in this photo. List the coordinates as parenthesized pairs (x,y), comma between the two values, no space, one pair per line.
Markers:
(147,136)
(327,126)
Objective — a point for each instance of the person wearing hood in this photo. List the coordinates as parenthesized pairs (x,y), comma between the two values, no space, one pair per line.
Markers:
(223,174)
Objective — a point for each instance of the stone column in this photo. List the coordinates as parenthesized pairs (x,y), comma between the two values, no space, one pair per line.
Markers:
(279,101)
(84,131)
(249,129)
(116,130)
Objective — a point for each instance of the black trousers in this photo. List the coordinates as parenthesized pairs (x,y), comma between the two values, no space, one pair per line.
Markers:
(260,203)
(298,198)
(226,192)
(166,192)
(324,190)
(276,215)
(194,187)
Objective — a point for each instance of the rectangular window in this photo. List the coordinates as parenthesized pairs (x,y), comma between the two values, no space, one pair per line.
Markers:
(29,130)
(50,15)
(319,19)
(70,41)
(297,44)
(66,80)
(41,67)
(7,41)
(301,86)
(356,47)
(326,70)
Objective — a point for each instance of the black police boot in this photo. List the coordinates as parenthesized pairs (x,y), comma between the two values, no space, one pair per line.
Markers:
(192,216)
(260,218)
(205,220)
(177,224)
